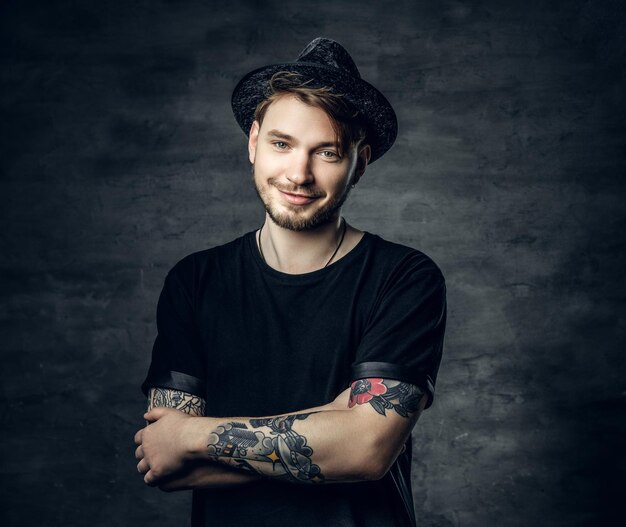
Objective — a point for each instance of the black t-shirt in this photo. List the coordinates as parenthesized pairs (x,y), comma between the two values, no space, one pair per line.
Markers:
(254,341)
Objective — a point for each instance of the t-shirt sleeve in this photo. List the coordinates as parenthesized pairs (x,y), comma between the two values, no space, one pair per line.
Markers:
(176,354)
(403,338)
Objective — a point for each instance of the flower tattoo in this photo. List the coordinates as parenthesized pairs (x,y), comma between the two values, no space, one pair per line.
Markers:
(364,390)
(386,394)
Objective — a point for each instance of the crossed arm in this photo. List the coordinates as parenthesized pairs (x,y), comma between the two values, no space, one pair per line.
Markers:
(356,437)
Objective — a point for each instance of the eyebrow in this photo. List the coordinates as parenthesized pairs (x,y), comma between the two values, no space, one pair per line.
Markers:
(286,137)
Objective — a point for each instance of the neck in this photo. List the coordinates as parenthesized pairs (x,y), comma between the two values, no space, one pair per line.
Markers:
(297,252)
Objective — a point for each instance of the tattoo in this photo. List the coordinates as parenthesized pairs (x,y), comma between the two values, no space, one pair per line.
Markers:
(267,446)
(386,394)
(183,401)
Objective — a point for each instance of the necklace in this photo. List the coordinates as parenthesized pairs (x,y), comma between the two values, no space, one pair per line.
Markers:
(343,233)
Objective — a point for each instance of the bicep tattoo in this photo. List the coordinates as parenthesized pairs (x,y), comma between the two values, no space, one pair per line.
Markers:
(386,394)
(183,401)
(266,446)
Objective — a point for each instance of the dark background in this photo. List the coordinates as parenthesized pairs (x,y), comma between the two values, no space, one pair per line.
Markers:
(120,155)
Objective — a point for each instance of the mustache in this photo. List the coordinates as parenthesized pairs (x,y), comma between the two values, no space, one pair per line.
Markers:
(296,189)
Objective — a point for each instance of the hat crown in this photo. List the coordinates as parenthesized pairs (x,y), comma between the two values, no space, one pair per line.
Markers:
(327,52)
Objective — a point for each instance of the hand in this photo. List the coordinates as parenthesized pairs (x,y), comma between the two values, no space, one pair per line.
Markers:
(165,444)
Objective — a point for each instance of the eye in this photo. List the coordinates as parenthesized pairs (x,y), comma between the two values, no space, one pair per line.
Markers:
(328,154)
(280,145)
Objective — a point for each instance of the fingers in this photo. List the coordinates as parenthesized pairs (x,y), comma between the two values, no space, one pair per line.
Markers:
(156,413)
(149,479)
(138,437)
(143,467)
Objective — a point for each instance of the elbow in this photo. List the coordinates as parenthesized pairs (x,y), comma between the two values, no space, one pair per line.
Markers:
(375,462)
(372,470)
(375,472)
(372,450)
(377,467)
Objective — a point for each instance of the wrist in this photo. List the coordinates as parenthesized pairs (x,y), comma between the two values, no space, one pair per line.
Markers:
(195,434)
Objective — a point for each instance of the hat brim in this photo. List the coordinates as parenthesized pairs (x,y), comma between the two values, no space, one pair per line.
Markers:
(376,111)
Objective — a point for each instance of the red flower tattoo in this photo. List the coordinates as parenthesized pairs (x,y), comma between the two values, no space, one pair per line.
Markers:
(364,390)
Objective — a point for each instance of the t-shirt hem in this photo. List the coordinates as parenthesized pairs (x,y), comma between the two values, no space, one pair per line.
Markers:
(387,370)
(174,380)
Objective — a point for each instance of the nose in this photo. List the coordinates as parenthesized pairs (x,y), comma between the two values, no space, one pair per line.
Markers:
(299,169)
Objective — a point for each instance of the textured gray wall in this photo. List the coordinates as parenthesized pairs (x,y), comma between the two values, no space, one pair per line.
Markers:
(120,155)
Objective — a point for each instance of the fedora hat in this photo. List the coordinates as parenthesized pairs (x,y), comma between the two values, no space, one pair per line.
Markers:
(326,64)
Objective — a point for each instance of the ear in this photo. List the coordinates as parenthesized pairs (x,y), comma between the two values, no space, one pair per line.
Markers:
(253,139)
(362,159)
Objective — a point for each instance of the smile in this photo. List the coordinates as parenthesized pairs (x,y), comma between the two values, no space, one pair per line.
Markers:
(297,199)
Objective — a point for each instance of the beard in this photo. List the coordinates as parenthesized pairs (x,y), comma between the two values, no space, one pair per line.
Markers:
(296,220)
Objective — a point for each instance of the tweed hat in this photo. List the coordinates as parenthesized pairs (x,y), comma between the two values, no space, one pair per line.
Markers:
(327,64)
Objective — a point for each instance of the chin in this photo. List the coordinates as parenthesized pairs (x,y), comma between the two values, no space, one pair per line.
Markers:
(298,223)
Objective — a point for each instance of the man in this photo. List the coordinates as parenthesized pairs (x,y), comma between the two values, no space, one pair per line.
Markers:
(291,364)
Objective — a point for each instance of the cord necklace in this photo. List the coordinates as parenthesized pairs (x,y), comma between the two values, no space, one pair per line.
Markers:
(343,233)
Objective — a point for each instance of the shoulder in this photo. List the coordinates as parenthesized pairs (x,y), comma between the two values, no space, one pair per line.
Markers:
(401,261)
(206,268)
(200,262)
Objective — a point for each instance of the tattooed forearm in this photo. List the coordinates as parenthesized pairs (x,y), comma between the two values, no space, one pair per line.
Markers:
(386,394)
(183,401)
(267,446)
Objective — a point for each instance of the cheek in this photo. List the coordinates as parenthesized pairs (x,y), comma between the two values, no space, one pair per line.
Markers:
(268,161)
(335,176)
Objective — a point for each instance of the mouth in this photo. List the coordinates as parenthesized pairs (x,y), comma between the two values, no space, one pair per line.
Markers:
(297,199)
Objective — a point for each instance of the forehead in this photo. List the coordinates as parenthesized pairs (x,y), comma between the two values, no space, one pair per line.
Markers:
(291,116)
